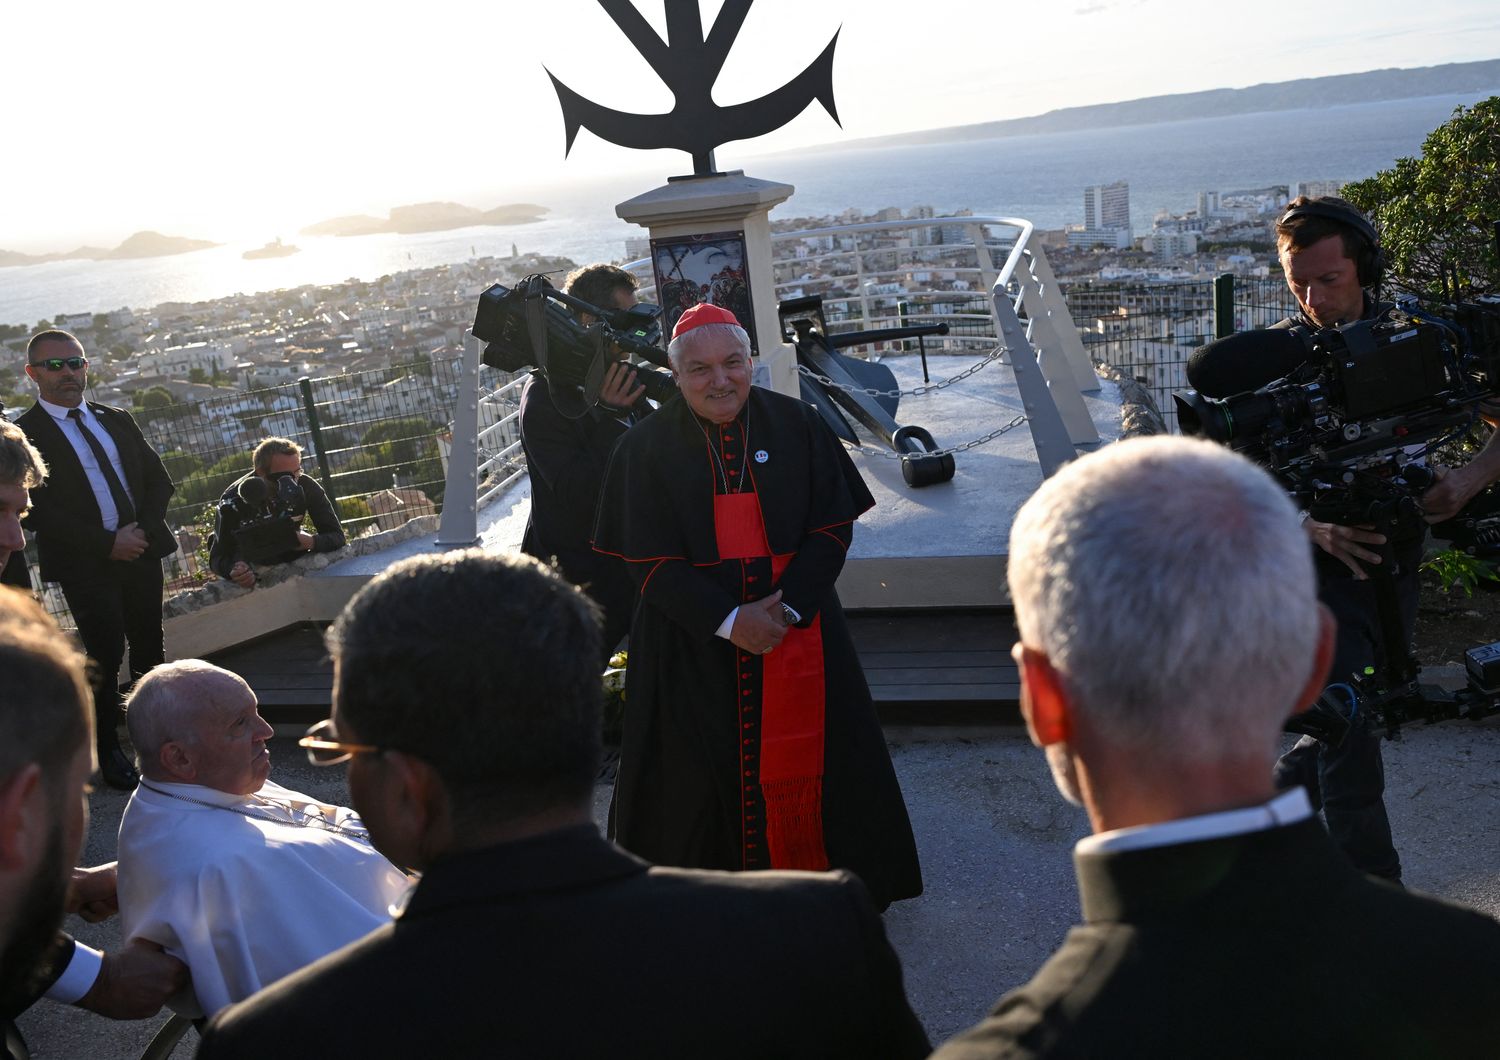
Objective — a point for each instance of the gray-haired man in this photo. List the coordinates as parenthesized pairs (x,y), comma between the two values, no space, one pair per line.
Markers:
(1169,625)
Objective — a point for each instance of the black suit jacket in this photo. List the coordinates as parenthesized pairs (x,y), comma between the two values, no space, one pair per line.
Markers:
(1263,945)
(566,946)
(47,971)
(566,460)
(70,535)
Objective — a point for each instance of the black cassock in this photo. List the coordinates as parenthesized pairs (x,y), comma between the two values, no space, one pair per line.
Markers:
(731,760)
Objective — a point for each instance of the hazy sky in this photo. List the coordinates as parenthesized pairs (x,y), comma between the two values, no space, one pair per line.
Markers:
(244,121)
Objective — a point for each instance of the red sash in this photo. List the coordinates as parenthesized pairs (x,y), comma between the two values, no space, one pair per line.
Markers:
(792,691)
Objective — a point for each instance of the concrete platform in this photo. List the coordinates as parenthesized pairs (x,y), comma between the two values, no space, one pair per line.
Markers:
(939,546)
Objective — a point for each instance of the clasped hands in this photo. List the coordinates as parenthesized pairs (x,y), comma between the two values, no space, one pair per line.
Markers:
(759,625)
(130,542)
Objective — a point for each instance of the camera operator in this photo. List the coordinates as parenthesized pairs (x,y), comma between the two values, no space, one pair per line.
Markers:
(1331,256)
(567,458)
(273,460)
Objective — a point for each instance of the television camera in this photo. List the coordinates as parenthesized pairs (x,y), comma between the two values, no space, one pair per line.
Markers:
(530,326)
(1355,407)
(1345,428)
(267,516)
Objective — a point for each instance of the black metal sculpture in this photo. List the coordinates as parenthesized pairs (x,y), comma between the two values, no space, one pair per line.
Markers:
(689,64)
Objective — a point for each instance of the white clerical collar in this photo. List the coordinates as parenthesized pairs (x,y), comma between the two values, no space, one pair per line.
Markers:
(199,793)
(60,412)
(1287,808)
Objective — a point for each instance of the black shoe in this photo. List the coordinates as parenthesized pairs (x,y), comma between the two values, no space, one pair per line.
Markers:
(117,771)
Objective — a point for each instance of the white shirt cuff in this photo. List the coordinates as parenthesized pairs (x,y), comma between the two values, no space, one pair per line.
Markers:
(726,625)
(78,977)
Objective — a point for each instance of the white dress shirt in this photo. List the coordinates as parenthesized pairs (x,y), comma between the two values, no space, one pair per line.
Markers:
(1289,807)
(74,435)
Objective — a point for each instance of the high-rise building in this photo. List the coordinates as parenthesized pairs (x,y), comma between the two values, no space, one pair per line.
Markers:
(1106,206)
(1319,188)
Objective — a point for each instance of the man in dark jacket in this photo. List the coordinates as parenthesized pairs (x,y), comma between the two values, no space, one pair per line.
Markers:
(101,529)
(274,460)
(45,757)
(466,701)
(566,457)
(1219,918)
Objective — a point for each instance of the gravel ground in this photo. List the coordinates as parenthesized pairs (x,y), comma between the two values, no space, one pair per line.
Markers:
(995,840)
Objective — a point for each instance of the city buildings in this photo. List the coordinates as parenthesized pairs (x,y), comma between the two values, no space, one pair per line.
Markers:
(1106,217)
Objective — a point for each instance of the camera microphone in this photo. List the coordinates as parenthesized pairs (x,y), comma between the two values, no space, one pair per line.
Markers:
(254,492)
(1246,361)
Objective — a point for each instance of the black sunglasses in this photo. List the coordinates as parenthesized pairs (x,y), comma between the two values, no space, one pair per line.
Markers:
(55,364)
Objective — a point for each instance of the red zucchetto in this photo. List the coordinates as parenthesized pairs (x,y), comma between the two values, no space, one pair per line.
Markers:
(700,314)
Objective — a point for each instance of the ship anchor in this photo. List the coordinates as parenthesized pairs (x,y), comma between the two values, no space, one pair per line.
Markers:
(689,63)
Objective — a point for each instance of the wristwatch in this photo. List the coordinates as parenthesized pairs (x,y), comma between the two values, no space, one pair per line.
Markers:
(791,616)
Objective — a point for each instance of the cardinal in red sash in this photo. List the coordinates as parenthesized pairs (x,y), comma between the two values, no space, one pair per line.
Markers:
(750,741)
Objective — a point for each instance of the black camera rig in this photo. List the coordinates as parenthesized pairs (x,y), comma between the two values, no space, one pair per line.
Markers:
(1345,429)
(1358,404)
(267,516)
(528,326)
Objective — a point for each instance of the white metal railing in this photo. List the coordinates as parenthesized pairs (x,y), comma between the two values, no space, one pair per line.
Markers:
(882,274)
(501,460)
(871,275)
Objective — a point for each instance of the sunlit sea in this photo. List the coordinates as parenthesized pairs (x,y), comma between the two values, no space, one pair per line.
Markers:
(1040,178)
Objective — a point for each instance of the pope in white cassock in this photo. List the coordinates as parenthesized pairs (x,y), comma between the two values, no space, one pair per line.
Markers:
(243,880)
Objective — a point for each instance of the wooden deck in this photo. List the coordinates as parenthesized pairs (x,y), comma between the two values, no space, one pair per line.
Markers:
(924,667)
(933,667)
(289,670)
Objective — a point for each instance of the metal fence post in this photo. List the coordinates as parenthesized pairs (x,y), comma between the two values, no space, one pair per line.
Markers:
(459,527)
(1223,305)
(315,429)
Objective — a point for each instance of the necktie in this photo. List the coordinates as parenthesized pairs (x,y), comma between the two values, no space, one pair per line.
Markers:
(117,493)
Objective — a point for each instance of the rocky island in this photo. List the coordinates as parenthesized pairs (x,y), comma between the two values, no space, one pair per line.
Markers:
(427,217)
(274,249)
(140,245)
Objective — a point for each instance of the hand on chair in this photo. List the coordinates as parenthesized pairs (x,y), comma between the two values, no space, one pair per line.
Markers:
(135,982)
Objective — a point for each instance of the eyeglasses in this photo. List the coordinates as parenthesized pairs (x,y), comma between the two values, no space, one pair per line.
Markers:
(324,749)
(55,364)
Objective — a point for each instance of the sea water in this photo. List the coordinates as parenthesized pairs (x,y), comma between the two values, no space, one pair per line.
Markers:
(1037,177)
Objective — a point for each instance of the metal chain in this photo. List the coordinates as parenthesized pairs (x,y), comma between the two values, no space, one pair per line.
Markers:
(891,455)
(918,391)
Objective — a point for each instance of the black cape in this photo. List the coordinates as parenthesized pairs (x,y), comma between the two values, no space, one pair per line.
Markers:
(678,797)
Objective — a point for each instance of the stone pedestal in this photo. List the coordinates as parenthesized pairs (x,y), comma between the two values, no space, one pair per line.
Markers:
(722,203)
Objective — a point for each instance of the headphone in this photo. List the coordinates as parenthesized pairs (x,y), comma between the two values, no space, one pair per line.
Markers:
(1370,262)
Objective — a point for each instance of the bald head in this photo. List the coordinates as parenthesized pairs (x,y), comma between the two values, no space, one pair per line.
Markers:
(195,723)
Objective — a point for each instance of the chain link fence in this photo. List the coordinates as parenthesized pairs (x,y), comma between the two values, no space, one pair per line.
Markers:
(1149,330)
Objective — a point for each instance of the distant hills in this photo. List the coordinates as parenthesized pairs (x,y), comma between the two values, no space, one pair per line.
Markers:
(1371,87)
(140,245)
(427,217)
(419,217)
